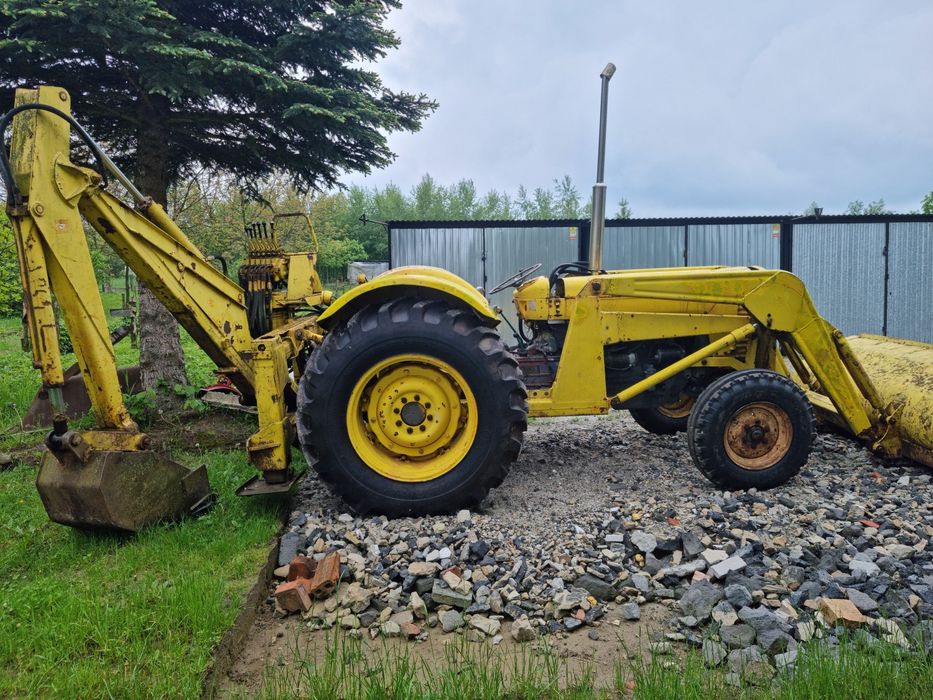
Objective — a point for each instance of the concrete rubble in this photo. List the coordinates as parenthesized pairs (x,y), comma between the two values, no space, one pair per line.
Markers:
(747,576)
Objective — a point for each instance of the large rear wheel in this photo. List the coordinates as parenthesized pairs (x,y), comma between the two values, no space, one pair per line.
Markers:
(412,407)
(751,429)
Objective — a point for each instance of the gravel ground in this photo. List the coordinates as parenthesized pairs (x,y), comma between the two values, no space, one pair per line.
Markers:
(600,521)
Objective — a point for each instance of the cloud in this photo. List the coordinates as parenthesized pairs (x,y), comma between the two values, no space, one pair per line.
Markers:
(717,107)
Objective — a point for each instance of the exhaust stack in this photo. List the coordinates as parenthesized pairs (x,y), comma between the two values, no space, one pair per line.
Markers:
(598,215)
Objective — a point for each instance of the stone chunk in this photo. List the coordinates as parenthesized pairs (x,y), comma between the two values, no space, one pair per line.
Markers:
(842,611)
(726,566)
(596,586)
(451,620)
(714,556)
(631,612)
(700,599)
(863,602)
(522,631)
(288,547)
(418,607)
(737,636)
(486,625)
(870,569)
(714,653)
(644,541)
(738,595)
(423,568)
(441,593)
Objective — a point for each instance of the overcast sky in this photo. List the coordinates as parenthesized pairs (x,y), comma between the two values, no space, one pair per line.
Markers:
(717,107)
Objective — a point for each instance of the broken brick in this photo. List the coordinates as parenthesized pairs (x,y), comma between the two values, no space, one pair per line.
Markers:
(326,575)
(301,567)
(292,596)
(410,629)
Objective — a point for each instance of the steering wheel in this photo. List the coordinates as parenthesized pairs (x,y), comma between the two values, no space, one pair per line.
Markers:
(516,279)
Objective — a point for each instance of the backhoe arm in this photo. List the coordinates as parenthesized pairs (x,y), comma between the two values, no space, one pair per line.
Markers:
(49,197)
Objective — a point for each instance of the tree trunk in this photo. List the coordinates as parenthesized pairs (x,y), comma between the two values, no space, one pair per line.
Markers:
(160,355)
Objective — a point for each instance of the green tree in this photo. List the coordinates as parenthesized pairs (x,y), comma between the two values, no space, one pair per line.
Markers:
(543,203)
(624,211)
(567,199)
(926,206)
(859,208)
(811,210)
(243,86)
(11,289)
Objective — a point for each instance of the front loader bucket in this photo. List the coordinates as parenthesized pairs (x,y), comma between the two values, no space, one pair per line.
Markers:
(119,490)
(902,372)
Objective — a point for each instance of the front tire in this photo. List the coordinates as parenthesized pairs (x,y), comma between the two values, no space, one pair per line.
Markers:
(751,429)
(410,408)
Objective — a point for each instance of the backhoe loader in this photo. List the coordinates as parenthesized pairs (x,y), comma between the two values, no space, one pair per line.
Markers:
(401,392)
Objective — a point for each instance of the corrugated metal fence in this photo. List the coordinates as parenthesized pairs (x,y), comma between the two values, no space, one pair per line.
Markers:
(871,274)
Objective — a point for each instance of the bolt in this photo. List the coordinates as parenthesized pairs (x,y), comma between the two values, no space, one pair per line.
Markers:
(63,96)
(39,209)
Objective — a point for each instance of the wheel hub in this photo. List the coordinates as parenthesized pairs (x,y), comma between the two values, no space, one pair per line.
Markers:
(758,435)
(412,418)
(680,408)
(413,413)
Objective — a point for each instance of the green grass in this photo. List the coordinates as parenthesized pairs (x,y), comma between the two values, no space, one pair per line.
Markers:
(854,670)
(92,615)
(19,381)
(96,615)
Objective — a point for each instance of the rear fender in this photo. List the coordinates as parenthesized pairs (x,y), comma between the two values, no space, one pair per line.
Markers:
(419,281)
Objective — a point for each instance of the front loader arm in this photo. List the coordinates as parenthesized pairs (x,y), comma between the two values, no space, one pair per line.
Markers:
(781,307)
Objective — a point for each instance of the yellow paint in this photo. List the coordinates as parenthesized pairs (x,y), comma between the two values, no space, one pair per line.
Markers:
(412,418)
(717,304)
(55,260)
(416,277)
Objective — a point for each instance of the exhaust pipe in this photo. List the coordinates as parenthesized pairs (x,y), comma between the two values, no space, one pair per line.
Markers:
(598,215)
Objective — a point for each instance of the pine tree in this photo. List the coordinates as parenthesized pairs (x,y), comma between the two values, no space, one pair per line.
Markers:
(244,86)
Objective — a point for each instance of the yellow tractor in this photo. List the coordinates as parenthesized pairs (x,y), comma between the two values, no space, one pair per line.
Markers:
(401,393)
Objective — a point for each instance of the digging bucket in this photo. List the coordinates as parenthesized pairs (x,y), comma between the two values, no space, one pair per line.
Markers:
(119,490)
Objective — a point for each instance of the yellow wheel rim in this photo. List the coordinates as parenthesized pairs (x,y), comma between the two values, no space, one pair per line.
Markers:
(678,409)
(412,418)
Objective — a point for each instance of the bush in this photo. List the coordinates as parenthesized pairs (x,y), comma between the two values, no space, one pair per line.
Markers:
(11,290)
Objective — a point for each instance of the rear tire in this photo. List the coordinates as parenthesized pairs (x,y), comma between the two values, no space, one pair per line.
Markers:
(451,445)
(751,429)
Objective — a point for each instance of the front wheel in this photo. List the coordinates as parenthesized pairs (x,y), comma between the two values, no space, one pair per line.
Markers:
(750,429)
(412,407)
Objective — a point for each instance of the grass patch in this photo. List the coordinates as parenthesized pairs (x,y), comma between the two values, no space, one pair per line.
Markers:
(343,668)
(102,615)
(96,615)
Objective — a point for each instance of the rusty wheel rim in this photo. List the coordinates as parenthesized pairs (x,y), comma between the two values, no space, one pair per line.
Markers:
(758,436)
(678,409)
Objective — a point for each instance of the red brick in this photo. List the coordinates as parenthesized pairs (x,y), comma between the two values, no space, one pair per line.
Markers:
(325,576)
(301,567)
(292,596)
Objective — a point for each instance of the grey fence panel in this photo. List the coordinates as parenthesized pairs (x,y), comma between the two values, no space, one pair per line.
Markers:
(910,281)
(734,244)
(843,268)
(459,250)
(508,249)
(633,247)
